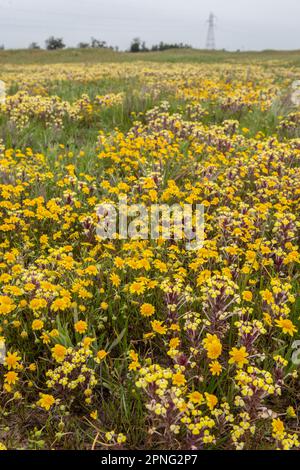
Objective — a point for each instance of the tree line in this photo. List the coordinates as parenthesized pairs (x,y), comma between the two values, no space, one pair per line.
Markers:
(137,45)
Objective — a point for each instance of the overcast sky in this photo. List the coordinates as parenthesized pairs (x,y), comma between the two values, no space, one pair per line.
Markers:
(240,24)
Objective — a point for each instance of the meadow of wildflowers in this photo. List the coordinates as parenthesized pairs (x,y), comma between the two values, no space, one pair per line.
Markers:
(143,344)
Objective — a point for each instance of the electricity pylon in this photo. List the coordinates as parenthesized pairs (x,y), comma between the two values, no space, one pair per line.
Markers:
(211,42)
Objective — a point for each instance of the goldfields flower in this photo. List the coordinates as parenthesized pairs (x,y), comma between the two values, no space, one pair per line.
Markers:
(94,415)
(81,326)
(158,327)
(11,378)
(247,295)
(147,310)
(215,368)
(59,352)
(287,326)
(37,325)
(87,341)
(178,379)
(137,288)
(134,365)
(238,356)
(6,305)
(101,354)
(54,333)
(211,400)
(61,304)
(196,397)
(213,346)
(37,304)
(12,360)
(278,428)
(267,296)
(174,343)
(115,280)
(46,401)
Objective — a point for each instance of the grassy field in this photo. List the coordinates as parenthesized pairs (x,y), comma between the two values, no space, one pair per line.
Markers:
(141,343)
(286,58)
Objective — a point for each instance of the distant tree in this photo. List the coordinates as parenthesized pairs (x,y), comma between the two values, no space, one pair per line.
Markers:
(97,44)
(34,45)
(83,45)
(144,48)
(162,46)
(53,43)
(136,45)
(2,47)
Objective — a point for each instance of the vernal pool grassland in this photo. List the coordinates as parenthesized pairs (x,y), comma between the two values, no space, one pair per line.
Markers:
(143,344)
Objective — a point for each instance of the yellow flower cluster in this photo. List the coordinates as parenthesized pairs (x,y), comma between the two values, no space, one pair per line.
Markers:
(24,108)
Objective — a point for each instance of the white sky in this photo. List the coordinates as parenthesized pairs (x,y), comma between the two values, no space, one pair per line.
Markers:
(241,24)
